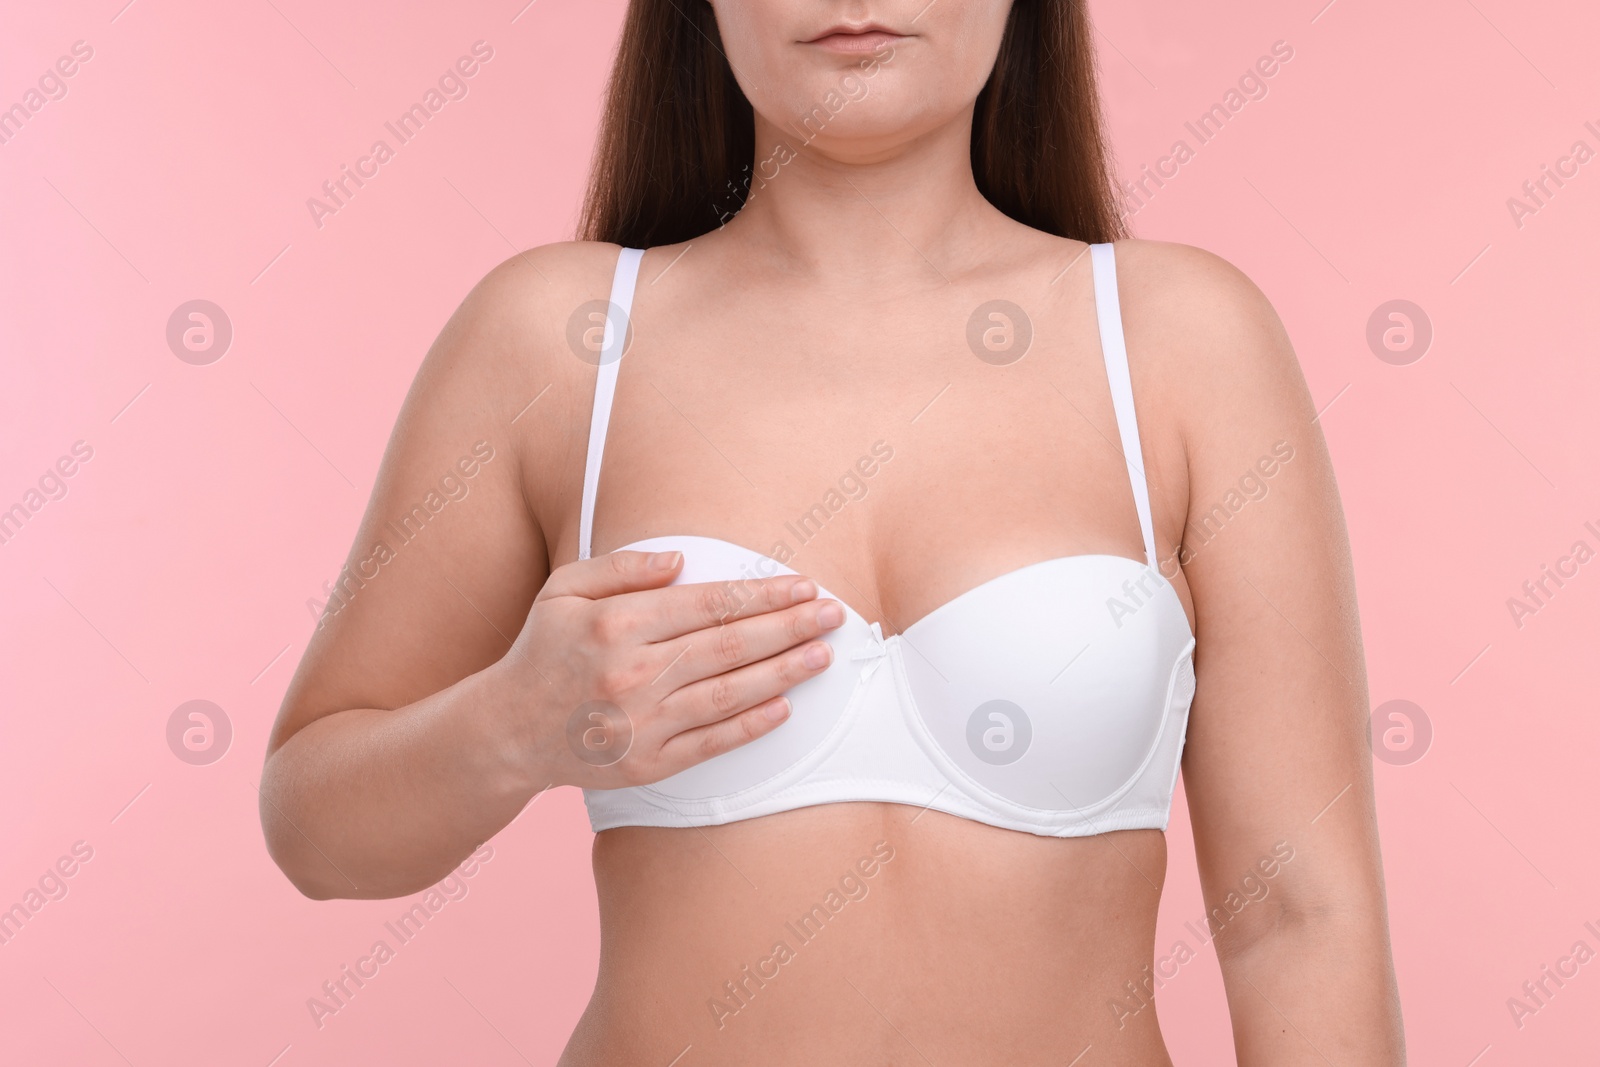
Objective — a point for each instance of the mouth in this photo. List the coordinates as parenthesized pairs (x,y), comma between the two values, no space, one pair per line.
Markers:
(846,38)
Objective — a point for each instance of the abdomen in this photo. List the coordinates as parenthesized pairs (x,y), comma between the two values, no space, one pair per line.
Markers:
(870,933)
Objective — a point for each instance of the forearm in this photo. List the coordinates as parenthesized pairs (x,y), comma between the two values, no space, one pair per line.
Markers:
(1316,989)
(371,803)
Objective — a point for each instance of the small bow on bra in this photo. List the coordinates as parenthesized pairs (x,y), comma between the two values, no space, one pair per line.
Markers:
(873,650)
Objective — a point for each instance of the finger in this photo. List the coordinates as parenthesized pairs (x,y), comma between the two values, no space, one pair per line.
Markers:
(696,746)
(728,646)
(613,574)
(666,614)
(714,699)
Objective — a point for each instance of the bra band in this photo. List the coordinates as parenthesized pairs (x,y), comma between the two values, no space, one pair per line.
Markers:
(613,344)
(1113,347)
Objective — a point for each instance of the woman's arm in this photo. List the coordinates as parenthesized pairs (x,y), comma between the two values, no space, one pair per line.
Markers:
(1278,766)
(388,763)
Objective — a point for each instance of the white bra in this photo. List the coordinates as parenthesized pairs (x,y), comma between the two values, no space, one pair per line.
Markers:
(1053,699)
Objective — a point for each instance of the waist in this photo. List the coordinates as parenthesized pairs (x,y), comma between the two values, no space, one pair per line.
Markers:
(799,937)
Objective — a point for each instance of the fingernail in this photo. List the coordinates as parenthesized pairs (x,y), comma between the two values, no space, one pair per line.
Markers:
(665,561)
(803,590)
(778,710)
(830,614)
(816,655)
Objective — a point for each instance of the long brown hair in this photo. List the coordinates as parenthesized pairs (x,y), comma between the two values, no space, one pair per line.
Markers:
(677,137)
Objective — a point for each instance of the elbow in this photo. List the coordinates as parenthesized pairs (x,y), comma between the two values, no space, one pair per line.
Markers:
(308,888)
(1246,933)
(304,865)
(304,876)
(308,874)
(288,860)
(1294,924)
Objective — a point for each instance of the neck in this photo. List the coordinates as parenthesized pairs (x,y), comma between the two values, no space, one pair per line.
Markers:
(866,212)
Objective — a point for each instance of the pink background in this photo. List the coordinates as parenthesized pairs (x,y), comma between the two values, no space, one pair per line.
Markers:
(219,498)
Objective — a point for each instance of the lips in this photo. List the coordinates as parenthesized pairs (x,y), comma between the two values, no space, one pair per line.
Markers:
(864,38)
(845,28)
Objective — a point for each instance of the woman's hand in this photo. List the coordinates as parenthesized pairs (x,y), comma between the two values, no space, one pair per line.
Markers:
(617,681)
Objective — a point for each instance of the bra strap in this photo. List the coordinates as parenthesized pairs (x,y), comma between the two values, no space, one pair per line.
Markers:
(1115,350)
(612,346)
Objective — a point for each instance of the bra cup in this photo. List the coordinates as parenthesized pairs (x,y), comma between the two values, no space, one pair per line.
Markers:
(818,703)
(1033,688)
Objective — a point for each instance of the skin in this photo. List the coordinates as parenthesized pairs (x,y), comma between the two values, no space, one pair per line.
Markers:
(767,357)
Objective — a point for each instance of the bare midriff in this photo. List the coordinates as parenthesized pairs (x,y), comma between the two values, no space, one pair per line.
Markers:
(871,934)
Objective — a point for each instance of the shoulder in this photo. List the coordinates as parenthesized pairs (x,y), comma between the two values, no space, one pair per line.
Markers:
(526,300)
(509,365)
(555,270)
(509,345)
(512,331)
(1182,290)
(1206,336)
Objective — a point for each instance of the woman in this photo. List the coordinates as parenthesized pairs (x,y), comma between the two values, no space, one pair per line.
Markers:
(929,537)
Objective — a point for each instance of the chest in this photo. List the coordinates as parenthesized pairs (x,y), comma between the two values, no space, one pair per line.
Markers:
(896,450)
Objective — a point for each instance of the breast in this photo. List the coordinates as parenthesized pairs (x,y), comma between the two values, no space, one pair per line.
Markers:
(1055,687)
(1052,699)
(819,703)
